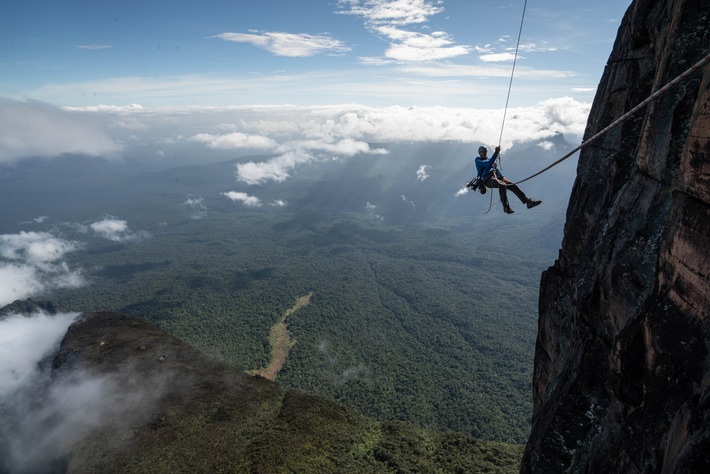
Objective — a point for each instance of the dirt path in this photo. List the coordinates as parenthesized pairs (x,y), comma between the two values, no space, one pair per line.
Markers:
(280,341)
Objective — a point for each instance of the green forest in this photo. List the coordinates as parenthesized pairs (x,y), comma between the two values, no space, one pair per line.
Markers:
(432,325)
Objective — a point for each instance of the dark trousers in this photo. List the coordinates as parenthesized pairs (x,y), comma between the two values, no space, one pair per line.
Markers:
(503,184)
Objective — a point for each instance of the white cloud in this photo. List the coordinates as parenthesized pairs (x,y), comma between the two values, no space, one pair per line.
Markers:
(393,12)
(244,198)
(461,191)
(234,141)
(497,57)
(370,208)
(117,230)
(197,207)
(45,414)
(36,220)
(279,203)
(32,128)
(30,265)
(299,152)
(423,172)
(413,46)
(387,18)
(24,341)
(94,47)
(288,44)
(34,247)
(275,169)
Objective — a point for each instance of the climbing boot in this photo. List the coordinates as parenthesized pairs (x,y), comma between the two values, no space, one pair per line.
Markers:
(508,210)
(532,203)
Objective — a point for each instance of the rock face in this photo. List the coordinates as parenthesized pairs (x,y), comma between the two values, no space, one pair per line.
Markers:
(622,363)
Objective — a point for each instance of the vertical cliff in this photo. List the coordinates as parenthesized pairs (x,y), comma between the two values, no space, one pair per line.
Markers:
(622,363)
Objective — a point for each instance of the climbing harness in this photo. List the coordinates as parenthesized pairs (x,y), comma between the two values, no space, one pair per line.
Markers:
(507,99)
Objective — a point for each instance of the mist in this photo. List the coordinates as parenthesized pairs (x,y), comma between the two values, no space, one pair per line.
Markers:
(46,413)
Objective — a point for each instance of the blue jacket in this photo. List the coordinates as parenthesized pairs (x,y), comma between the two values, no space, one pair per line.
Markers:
(485,167)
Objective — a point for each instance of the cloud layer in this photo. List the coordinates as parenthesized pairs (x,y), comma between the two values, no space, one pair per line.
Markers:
(38,129)
(288,137)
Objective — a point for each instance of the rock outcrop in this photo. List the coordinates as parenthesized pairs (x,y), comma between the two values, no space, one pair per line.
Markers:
(622,363)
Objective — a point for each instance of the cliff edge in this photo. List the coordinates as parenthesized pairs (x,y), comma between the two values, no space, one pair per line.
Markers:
(622,363)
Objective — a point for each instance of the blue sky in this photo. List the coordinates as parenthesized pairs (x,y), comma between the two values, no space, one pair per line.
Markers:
(283,85)
(451,53)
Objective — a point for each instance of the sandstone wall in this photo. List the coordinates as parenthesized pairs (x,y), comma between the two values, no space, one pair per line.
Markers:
(622,364)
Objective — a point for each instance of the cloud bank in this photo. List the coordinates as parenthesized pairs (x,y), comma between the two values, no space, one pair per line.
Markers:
(30,263)
(288,137)
(45,414)
(24,341)
(38,129)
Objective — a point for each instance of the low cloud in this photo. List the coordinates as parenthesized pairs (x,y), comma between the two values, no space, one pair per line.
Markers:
(244,198)
(24,342)
(407,200)
(117,230)
(31,263)
(197,207)
(423,172)
(276,169)
(44,413)
(297,153)
(235,141)
(288,44)
(36,129)
(372,210)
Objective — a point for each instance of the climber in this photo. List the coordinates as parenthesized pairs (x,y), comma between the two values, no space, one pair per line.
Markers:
(492,177)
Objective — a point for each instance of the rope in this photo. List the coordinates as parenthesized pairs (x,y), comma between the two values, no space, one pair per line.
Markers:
(627,115)
(692,69)
(512,72)
(507,99)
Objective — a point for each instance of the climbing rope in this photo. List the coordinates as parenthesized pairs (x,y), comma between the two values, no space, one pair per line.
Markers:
(692,69)
(512,72)
(695,67)
(510,87)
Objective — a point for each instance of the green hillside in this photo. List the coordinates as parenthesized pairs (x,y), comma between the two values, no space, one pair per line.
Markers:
(195,414)
(414,324)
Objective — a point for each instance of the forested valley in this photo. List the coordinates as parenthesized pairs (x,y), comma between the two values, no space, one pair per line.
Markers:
(426,320)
